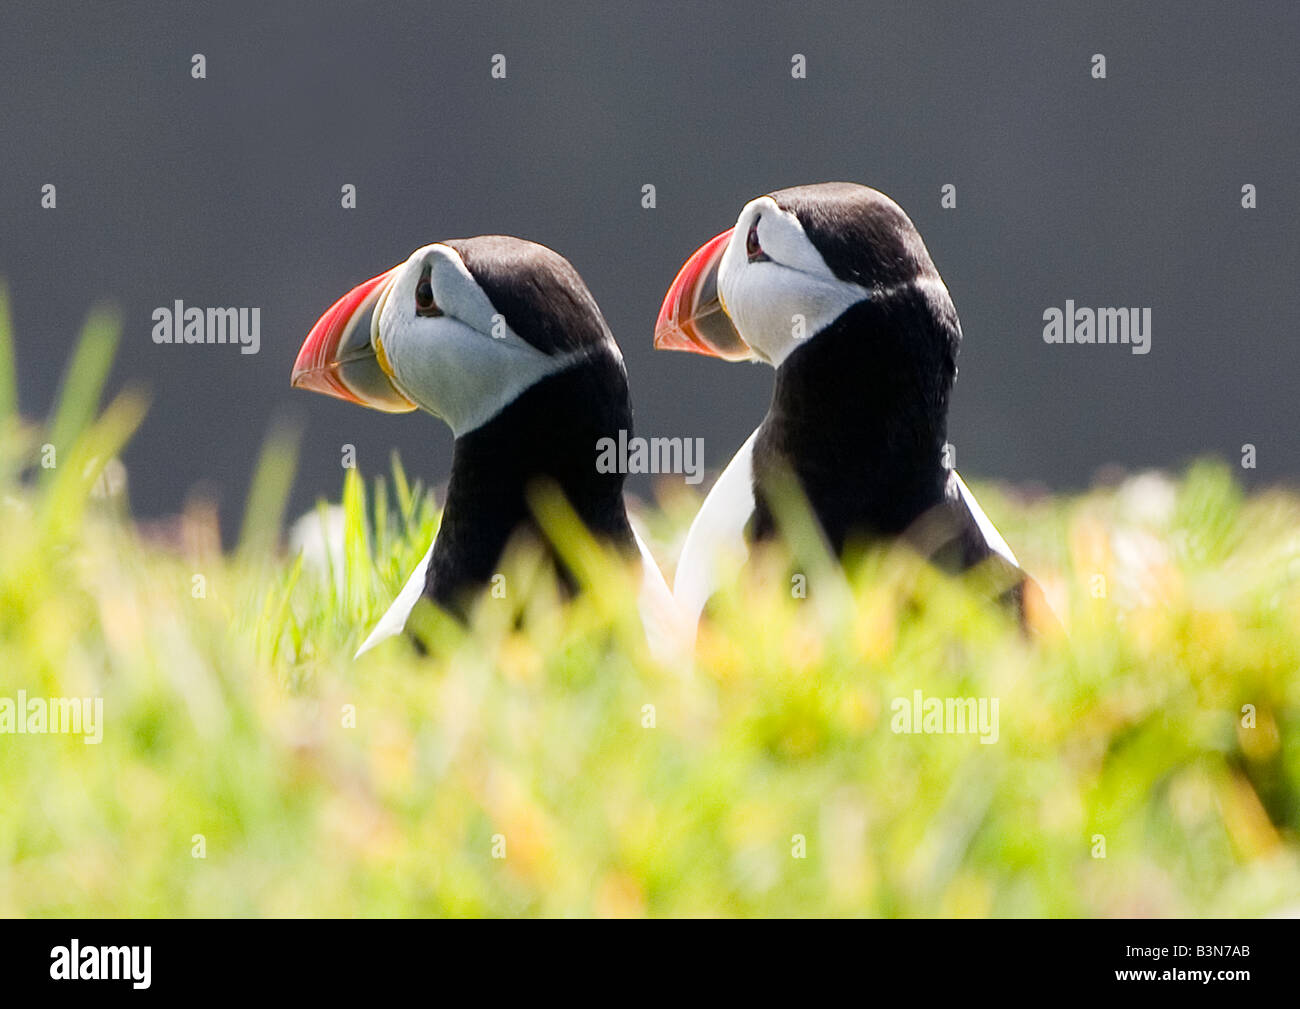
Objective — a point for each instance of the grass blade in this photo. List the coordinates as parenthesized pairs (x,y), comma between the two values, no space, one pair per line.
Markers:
(8,379)
(269,494)
(83,380)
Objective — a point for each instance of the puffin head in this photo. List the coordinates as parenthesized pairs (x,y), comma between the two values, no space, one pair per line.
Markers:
(795,261)
(460,330)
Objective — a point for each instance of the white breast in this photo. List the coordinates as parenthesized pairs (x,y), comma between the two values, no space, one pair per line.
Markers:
(715,547)
(987,529)
(394,618)
(666,631)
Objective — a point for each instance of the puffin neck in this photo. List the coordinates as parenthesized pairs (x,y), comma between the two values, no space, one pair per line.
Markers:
(549,433)
(859,415)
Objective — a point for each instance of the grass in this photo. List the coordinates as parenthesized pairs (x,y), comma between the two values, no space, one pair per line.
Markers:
(238,728)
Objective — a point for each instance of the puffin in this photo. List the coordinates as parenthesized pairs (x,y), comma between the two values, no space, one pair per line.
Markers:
(832,286)
(501,339)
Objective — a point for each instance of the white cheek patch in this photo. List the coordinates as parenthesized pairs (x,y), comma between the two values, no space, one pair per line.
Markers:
(465,365)
(775,308)
(782,237)
(777,303)
(456,290)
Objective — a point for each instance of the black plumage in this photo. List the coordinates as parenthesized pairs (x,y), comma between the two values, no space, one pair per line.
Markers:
(859,410)
(549,433)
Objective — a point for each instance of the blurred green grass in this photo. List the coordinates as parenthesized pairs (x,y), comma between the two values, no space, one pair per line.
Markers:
(237,720)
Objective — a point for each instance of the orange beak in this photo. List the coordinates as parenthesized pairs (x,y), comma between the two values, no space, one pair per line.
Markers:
(338,359)
(692,317)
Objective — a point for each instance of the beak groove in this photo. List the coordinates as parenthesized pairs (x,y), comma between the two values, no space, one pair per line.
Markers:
(692,317)
(337,358)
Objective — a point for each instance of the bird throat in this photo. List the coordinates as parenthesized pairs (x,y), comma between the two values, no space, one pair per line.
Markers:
(859,418)
(546,436)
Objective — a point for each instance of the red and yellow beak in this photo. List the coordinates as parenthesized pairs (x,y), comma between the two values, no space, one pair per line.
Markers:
(692,317)
(337,357)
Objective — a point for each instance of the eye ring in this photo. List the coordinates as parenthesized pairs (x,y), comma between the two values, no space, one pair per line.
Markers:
(425,306)
(753,251)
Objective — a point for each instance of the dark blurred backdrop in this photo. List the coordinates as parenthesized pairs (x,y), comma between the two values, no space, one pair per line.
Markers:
(226,191)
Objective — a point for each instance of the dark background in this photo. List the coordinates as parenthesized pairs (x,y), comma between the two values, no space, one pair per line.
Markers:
(225,191)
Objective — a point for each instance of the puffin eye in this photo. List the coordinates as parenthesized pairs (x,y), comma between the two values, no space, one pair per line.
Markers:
(424,303)
(752,249)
